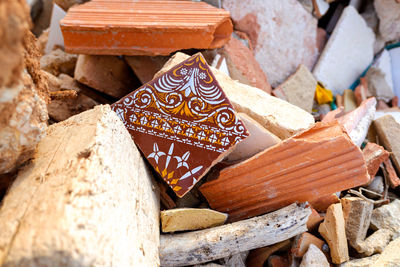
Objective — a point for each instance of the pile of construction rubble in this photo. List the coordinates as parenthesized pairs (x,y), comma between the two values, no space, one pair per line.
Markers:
(200,133)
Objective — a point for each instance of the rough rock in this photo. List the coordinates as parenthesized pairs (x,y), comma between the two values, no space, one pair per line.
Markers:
(347,54)
(277,116)
(379,77)
(389,257)
(107,74)
(280,42)
(388,131)
(242,65)
(357,216)
(333,231)
(74,206)
(387,217)
(259,140)
(314,258)
(57,62)
(190,219)
(298,89)
(375,243)
(388,12)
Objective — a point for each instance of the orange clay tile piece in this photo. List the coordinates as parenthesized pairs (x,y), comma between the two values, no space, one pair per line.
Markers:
(322,204)
(374,155)
(303,241)
(314,220)
(394,180)
(126,27)
(317,162)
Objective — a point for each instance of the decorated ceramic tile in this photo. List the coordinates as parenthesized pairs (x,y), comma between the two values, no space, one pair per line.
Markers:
(182,122)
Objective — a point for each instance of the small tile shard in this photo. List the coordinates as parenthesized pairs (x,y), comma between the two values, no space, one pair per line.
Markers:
(388,131)
(314,220)
(107,74)
(182,122)
(333,231)
(257,257)
(374,155)
(347,54)
(280,42)
(394,180)
(314,258)
(185,219)
(298,89)
(315,163)
(126,27)
(322,203)
(302,243)
(259,140)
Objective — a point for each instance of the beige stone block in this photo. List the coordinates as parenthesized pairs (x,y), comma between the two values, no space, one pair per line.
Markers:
(86,199)
(57,62)
(185,219)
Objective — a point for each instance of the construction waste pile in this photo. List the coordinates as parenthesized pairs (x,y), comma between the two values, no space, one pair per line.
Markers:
(200,133)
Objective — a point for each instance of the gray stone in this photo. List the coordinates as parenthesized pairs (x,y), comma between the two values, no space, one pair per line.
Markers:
(389,16)
(387,217)
(314,258)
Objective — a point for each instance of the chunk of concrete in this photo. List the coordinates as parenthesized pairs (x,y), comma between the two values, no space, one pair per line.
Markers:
(280,42)
(349,51)
(57,62)
(259,140)
(333,231)
(375,243)
(107,74)
(388,131)
(185,219)
(298,89)
(277,116)
(357,216)
(242,65)
(379,78)
(74,206)
(314,258)
(387,217)
(388,12)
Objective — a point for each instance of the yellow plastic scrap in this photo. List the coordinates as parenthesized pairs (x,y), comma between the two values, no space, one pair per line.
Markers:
(323,95)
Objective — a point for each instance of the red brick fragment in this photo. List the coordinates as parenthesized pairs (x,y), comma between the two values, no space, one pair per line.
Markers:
(394,180)
(374,155)
(322,204)
(317,162)
(303,241)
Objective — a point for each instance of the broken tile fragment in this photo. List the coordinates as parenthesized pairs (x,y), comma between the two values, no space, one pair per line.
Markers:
(333,231)
(388,12)
(388,131)
(349,100)
(314,258)
(347,54)
(143,27)
(361,92)
(357,216)
(183,122)
(185,219)
(277,116)
(259,140)
(242,65)
(374,155)
(394,180)
(298,89)
(322,203)
(280,42)
(387,217)
(107,74)
(379,77)
(302,243)
(257,257)
(315,163)
(314,220)
(278,261)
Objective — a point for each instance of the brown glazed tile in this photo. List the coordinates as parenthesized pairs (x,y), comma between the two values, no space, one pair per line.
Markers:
(182,122)
(315,163)
(126,27)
